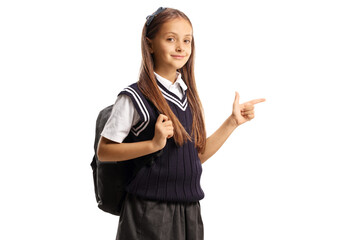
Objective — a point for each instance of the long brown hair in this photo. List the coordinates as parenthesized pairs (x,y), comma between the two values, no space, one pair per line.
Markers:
(148,86)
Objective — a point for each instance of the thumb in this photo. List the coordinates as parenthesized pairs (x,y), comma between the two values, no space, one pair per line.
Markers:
(237,97)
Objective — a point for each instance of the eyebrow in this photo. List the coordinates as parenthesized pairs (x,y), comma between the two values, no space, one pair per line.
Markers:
(177,34)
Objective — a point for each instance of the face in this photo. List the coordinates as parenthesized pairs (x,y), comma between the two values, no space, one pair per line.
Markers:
(171,47)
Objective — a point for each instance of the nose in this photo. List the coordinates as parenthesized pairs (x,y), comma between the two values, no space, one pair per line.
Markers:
(179,48)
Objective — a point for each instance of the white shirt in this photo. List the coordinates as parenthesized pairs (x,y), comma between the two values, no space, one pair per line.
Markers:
(124,114)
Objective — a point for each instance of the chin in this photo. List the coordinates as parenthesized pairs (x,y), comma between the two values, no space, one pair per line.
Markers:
(178,68)
(181,65)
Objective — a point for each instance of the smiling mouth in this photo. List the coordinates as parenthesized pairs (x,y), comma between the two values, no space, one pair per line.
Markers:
(178,56)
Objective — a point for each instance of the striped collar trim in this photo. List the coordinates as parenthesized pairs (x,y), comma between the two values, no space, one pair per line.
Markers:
(182,104)
(167,83)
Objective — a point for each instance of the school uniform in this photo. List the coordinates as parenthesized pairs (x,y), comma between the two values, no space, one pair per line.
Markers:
(162,200)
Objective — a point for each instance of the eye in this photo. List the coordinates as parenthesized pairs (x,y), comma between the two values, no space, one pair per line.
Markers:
(169,39)
(188,41)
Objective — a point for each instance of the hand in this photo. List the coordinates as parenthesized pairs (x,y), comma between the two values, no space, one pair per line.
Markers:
(244,112)
(163,130)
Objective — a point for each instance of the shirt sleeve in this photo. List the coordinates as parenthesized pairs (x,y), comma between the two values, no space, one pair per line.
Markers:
(122,118)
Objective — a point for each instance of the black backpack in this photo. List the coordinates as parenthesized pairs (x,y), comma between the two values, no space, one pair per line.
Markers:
(111,178)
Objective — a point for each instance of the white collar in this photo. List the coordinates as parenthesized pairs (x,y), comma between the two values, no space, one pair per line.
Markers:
(167,83)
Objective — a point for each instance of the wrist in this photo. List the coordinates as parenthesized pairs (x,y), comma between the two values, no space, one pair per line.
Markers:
(232,121)
(154,146)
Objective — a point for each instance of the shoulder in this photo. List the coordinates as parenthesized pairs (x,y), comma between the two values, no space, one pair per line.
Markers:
(133,96)
(125,99)
(130,90)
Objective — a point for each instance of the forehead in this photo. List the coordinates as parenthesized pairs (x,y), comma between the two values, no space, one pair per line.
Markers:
(177,26)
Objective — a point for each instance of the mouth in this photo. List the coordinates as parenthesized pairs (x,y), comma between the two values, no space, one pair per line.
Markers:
(178,56)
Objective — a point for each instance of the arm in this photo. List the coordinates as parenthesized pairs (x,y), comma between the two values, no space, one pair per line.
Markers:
(241,113)
(112,151)
(217,139)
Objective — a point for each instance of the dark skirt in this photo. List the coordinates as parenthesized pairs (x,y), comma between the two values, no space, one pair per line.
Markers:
(142,219)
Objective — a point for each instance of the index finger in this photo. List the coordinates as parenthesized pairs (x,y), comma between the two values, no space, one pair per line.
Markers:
(255,101)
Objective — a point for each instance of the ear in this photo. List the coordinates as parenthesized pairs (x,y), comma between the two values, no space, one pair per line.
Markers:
(149,42)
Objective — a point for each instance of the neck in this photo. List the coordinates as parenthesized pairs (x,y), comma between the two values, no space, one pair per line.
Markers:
(170,74)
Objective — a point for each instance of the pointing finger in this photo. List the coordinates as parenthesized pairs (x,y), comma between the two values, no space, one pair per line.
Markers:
(248,106)
(255,101)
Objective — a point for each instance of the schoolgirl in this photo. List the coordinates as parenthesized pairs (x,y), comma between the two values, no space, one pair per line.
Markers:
(162,112)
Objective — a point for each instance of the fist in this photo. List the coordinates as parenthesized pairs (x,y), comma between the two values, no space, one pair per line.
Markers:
(163,130)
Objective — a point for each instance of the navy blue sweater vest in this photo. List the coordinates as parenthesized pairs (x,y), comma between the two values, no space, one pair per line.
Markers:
(175,175)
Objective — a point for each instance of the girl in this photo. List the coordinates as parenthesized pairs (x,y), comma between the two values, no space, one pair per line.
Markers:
(162,111)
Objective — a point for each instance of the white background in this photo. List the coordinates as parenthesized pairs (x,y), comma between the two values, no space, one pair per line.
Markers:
(291,173)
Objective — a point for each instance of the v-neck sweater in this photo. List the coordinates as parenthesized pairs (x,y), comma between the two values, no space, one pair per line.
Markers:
(175,175)
(124,115)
